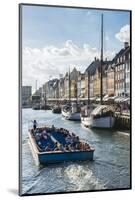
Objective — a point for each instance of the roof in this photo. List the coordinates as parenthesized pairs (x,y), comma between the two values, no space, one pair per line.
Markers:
(97,65)
(120,53)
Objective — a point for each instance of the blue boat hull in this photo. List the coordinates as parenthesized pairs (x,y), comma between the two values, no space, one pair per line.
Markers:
(58,157)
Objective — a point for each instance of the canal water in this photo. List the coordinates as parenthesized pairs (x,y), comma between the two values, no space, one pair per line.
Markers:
(109,170)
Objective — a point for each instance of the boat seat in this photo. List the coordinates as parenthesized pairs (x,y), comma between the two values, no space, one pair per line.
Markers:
(45,142)
(59,137)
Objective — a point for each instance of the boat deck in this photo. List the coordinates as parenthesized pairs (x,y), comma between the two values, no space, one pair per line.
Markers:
(58,145)
(46,136)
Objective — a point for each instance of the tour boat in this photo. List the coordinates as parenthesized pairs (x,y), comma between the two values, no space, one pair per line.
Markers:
(54,145)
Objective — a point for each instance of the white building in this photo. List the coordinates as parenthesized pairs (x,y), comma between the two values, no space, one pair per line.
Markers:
(26,94)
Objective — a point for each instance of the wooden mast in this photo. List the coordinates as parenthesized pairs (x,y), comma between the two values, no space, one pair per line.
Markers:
(69,85)
(101,69)
(88,88)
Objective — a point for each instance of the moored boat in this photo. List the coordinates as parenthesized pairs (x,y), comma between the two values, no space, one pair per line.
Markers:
(54,145)
(102,117)
(45,107)
(56,109)
(71,112)
(36,107)
(85,115)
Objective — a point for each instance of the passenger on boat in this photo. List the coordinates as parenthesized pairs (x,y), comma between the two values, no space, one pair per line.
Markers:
(66,147)
(76,139)
(37,136)
(44,135)
(34,124)
(68,139)
(39,144)
(53,128)
(78,146)
(61,148)
(56,146)
(73,135)
(48,148)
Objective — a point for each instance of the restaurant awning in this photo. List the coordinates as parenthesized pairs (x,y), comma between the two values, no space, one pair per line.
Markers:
(105,98)
(126,99)
(122,99)
(92,98)
(98,99)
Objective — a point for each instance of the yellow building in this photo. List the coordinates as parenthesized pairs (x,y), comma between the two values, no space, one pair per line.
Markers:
(66,86)
(73,89)
(96,83)
(73,82)
(86,85)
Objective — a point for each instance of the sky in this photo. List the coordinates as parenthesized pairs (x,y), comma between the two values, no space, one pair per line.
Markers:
(55,39)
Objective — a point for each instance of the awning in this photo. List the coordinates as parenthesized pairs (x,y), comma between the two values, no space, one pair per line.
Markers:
(92,98)
(98,99)
(122,99)
(105,98)
(126,99)
(112,98)
(118,99)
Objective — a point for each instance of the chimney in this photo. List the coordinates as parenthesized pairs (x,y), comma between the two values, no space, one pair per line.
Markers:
(126,45)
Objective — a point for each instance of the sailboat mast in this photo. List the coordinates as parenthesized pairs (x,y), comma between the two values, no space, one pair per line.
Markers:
(69,85)
(88,87)
(101,68)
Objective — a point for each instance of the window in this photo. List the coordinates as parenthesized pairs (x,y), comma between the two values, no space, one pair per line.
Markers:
(120,67)
(128,66)
(128,75)
(120,76)
(118,86)
(123,76)
(123,85)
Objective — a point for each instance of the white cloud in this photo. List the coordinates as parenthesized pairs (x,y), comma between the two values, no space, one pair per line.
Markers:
(39,64)
(124,34)
(107,38)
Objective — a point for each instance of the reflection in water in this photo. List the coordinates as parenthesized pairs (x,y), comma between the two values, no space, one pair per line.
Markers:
(109,170)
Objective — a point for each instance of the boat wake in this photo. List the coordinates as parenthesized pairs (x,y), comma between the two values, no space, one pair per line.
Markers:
(82,179)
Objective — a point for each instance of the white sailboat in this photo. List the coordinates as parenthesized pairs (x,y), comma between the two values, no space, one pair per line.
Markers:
(87,109)
(102,116)
(85,116)
(71,111)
